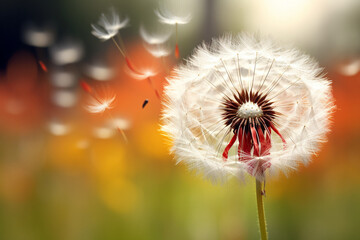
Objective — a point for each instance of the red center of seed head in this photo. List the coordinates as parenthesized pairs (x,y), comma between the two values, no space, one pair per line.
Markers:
(252,132)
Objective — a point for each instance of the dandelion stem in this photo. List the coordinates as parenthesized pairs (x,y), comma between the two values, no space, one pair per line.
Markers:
(123,134)
(177,53)
(118,47)
(261,212)
(121,43)
(176,33)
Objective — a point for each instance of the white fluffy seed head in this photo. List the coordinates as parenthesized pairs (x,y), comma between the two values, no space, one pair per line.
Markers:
(193,107)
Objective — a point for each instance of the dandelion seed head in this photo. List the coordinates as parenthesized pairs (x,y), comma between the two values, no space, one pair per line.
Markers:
(245,106)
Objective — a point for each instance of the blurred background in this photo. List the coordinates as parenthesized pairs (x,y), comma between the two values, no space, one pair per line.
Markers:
(68,174)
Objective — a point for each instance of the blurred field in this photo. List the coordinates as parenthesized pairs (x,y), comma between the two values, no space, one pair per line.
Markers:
(66,174)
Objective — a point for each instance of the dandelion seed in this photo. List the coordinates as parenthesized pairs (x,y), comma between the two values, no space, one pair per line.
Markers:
(121,124)
(157,51)
(109,25)
(169,18)
(99,105)
(146,101)
(246,106)
(154,38)
(146,74)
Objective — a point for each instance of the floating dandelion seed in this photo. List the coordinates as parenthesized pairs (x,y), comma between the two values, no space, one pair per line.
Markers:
(154,38)
(158,51)
(97,104)
(245,106)
(39,37)
(167,17)
(143,74)
(101,104)
(146,74)
(109,25)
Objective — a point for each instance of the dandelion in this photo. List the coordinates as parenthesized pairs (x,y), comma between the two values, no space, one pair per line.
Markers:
(244,106)
(169,18)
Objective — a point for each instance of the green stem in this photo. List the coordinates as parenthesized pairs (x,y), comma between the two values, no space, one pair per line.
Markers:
(260,207)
